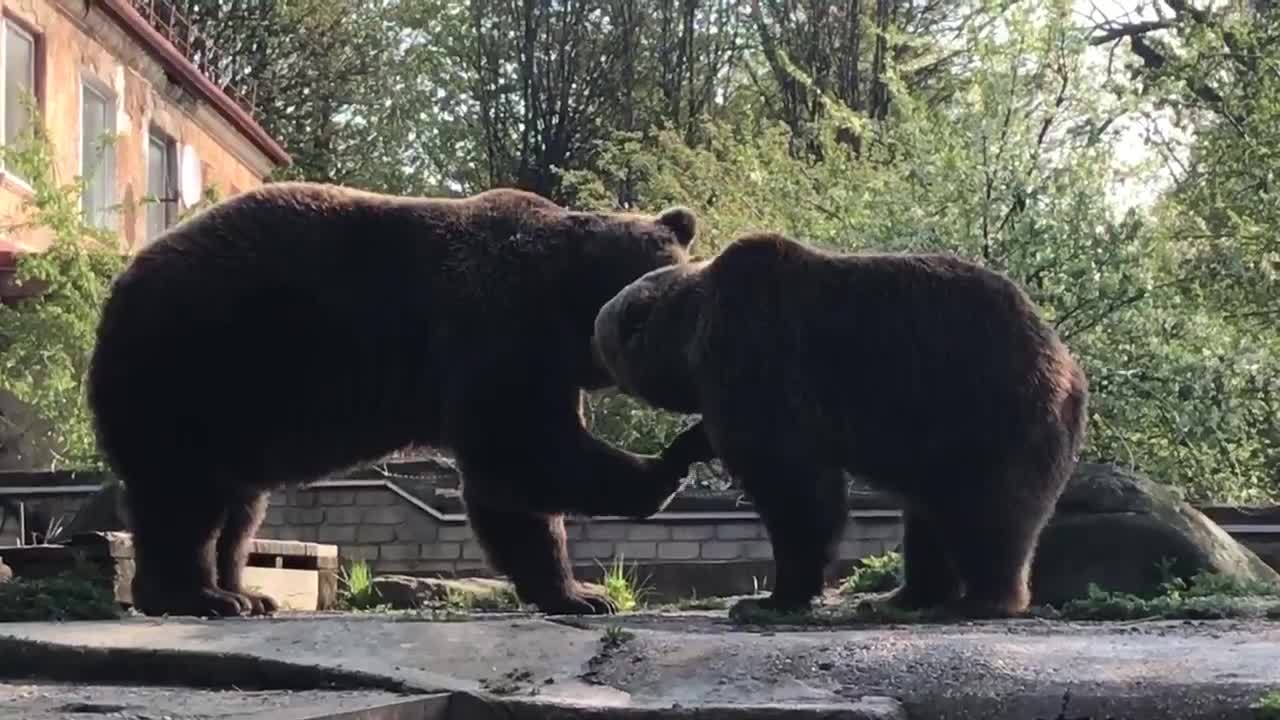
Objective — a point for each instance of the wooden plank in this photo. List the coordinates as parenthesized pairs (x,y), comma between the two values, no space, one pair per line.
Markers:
(292,589)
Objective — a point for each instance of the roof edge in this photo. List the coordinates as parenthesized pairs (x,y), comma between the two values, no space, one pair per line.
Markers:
(132,21)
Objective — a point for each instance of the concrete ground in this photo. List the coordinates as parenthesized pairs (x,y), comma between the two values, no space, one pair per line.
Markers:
(1019,670)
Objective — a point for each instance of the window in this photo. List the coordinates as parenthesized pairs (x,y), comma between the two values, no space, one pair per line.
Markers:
(19,49)
(97,156)
(162,184)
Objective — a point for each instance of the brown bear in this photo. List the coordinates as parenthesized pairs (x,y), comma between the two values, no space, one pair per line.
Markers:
(299,329)
(929,376)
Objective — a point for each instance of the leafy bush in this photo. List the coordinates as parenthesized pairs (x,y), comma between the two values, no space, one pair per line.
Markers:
(874,574)
(68,596)
(45,341)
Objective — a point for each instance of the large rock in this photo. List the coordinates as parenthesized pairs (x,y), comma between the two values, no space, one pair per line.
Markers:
(1125,533)
(405,592)
(6,573)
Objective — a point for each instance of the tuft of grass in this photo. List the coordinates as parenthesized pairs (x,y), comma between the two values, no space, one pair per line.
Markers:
(623,587)
(615,636)
(356,588)
(67,596)
(1267,707)
(874,574)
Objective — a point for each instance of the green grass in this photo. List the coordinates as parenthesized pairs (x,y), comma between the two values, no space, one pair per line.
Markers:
(356,588)
(1267,707)
(615,636)
(622,586)
(874,574)
(1205,596)
(68,596)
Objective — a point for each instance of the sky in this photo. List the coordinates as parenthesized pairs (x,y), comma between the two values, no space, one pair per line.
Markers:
(1141,186)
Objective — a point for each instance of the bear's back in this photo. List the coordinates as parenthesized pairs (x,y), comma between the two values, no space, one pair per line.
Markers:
(877,348)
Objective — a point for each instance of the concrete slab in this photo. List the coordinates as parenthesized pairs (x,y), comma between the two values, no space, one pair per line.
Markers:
(65,701)
(697,663)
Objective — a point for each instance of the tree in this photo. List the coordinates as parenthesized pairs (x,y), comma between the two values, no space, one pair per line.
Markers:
(1015,172)
(46,338)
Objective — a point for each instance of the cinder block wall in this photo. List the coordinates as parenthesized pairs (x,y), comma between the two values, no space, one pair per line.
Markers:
(395,535)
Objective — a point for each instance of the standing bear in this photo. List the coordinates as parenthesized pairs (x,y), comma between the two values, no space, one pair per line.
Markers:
(299,329)
(930,376)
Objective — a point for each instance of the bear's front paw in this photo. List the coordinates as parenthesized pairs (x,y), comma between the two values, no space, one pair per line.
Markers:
(582,601)
(197,602)
(259,604)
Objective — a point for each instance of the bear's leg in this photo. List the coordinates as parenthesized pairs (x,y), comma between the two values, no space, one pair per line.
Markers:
(174,537)
(531,549)
(929,579)
(242,521)
(805,512)
(992,536)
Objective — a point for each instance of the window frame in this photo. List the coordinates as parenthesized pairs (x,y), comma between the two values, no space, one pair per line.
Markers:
(157,136)
(22,27)
(90,83)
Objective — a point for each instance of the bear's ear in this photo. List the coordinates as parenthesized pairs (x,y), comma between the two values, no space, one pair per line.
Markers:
(682,222)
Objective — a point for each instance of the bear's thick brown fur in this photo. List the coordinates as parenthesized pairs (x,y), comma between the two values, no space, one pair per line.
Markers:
(298,329)
(927,375)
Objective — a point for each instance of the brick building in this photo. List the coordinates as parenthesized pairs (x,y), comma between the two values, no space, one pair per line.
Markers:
(124,68)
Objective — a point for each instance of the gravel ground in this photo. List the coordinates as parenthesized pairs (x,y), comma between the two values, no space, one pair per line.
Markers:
(47,701)
(1020,670)
(1011,670)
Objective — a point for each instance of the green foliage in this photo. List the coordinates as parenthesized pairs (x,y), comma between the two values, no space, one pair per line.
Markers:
(45,341)
(985,129)
(1267,707)
(874,574)
(615,636)
(623,586)
(1018,172)
(68,596)
(356,588)
(1205,596)
(630,423)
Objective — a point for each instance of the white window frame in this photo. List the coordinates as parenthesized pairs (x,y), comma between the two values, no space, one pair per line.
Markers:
(157,135)
(107,169)
(6,23)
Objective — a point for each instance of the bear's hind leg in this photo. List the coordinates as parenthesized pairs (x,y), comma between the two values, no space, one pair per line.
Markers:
(531,549)
(243,517)
(992,534)
(805,512)
(174,537)
(928,578)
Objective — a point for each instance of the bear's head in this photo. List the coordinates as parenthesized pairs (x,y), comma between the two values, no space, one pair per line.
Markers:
(645,334)
(610,250)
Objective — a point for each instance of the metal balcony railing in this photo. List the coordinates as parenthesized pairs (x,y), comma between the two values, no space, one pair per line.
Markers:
(220,68)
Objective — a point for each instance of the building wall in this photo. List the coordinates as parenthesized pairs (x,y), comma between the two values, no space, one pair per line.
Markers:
(720,553)
(78,40)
